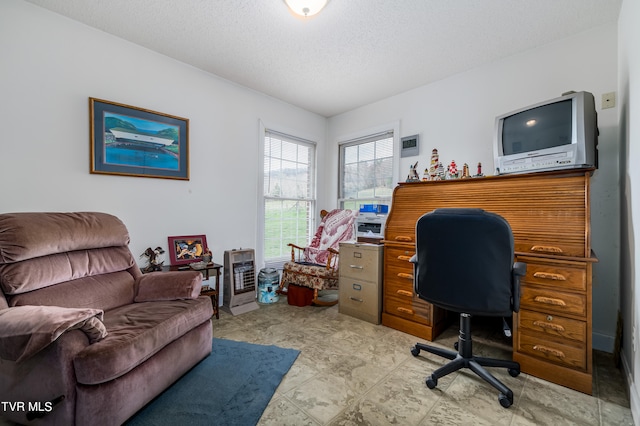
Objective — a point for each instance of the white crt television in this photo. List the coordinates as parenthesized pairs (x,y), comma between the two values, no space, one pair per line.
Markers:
(560,133)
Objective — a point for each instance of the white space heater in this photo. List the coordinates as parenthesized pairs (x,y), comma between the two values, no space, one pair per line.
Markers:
(239,281)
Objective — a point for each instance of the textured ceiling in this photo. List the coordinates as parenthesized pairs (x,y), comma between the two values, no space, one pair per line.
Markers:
(353,53)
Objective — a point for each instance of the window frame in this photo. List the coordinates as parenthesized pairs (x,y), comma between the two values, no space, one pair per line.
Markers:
(262,197)
(363,137)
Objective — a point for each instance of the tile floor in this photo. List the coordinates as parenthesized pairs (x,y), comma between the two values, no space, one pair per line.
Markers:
(351,372)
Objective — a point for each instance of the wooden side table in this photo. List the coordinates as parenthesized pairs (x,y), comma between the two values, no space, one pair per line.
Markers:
(207,290)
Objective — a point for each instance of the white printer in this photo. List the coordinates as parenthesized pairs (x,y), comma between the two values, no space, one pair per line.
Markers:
(371,221)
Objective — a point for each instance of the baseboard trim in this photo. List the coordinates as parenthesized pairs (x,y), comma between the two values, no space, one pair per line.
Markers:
(603,342)
(634,397)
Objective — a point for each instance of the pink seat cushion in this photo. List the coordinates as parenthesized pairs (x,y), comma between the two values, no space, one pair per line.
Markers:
(136,332)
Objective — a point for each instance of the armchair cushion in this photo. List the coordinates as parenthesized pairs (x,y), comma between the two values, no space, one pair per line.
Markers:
(26,330)
(42,234)
(136,333)
(156,286)
(33,274)
(104,292)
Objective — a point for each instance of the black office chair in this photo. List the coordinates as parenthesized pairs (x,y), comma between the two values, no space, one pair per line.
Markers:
(464,263)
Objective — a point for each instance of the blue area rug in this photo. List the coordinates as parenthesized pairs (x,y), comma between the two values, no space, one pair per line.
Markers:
(232,386)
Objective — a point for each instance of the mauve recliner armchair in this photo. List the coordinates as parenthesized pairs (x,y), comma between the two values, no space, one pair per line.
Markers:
(85,338)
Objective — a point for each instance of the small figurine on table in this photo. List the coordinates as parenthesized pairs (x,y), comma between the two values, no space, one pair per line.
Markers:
(413,173)
(433,167)
(425,176)
(479,174)
(440,172)
(207,256)
(453,170)
(154,261)
(465,171)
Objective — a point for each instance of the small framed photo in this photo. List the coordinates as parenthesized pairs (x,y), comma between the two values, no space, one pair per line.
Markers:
(131,141)
(187,249)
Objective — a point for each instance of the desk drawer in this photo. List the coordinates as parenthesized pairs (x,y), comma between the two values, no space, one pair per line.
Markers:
(559,275)
(399,256)
(412,309)
(358,269)
(402,275)
(549,245)
(548,350)
(361,300)
(554,302)
(399,287)
(548,326)
(360,262)
(403,235)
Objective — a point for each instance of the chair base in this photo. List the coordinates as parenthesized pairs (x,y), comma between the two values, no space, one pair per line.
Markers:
(464,358)
(317,300)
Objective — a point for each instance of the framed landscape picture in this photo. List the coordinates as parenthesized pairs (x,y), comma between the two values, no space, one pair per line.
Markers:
(187,249)
(131,141)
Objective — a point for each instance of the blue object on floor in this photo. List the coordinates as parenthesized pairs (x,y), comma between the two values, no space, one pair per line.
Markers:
(268,282)
(232,386)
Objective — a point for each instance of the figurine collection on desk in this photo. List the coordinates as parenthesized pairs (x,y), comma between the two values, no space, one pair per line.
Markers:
(436,170)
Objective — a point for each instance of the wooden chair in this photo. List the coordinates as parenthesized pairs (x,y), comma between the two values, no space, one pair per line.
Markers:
(316,266)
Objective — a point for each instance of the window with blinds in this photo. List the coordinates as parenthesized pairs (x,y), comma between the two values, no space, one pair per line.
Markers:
(366,171)
(289,194)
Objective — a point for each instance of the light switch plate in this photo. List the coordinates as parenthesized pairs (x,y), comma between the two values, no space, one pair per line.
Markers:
(608,100)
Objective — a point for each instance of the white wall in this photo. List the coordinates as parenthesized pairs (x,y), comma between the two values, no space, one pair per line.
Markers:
(51,65)
(629,90)
(456,116)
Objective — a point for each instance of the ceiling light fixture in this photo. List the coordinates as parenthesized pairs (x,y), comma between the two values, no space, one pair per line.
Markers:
(306,8)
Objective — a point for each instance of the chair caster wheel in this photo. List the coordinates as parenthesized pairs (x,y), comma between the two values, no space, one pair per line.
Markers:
(415,351)
(505,401)
(432,382)
(514,372)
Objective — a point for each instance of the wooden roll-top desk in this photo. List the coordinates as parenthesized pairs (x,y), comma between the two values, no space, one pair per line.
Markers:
(549,215)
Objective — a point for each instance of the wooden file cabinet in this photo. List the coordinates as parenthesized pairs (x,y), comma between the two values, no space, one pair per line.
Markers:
(549,215)
(360,272)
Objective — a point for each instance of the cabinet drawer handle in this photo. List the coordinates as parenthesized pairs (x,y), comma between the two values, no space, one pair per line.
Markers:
(404,310)
(549,301)
(405,293)
(405,275)
(406,258)
(549,276)
(355,299)
(546,350)
(548,249)
(355,266)
(549,326)
(404,238)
